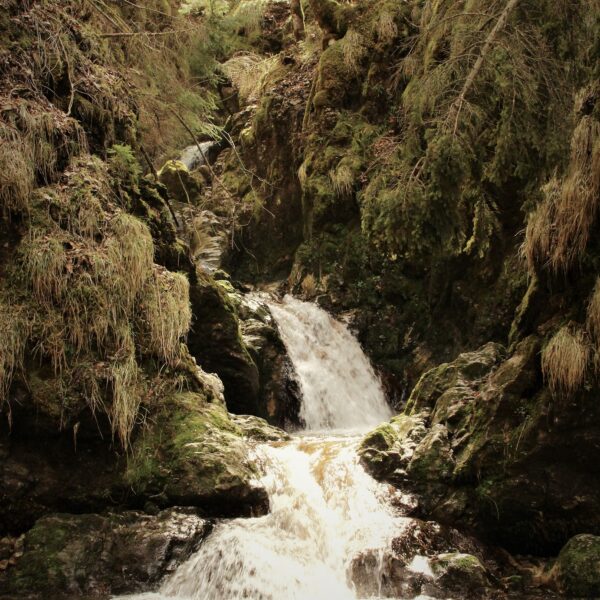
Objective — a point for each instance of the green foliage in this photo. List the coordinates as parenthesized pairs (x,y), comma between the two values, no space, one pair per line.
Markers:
(466,106)
(124,166)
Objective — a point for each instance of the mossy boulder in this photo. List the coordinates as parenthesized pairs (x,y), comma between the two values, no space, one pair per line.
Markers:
(387,451)
(215,340)
(334,86)
(467,366)
(193,454)
(432,459)
(460,573)
(428,560)
(495,453)
(578,567)
(183,186)
(95,556)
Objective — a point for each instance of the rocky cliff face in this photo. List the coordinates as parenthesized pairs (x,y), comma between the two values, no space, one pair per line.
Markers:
(428,169)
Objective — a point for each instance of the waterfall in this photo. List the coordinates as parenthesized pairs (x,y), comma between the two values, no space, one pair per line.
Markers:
(325,509)
(339,387)
(192,157)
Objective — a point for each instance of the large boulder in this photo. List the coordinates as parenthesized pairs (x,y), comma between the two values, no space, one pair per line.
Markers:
(183,185)
(461,574)
(94,556)
(578,567)
(193,454)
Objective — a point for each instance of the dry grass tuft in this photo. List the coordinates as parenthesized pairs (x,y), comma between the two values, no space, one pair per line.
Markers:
(45,262)
(342,179)
(559,230)
(168,314)
(249,72)
(124,380)
(16,175)
(353,50)
(14,333)
(385,27)
(309,286)
(537,247)
(130,253)
(565,361)
(574,216)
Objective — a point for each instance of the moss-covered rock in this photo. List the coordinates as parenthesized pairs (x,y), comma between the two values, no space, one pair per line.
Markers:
(236,337)
(193,454)
(460,574)
(183,186)
(578,567)
(96,556)
(387,451)
(258,429)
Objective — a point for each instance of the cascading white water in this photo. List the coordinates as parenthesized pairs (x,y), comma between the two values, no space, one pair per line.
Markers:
(324,507)
(339,387)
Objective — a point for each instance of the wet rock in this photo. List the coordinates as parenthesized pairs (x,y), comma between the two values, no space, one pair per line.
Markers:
(578,567)
(387,451)
(378,573)
(95,556)
(493,452)
(426,558)
(215,340)
(469,366)
(235,336)
(432,458)
(195,455)
(461,574)
(258,429)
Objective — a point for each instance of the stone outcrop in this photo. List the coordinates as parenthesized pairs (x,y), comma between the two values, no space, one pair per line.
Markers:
(95,556)
(484,446)
(235,336)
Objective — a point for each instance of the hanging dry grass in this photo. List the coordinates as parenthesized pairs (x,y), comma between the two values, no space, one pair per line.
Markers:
(559,230)
(249,72)
(130,254)
(44,260)
(385,27)
(565,361)
(538,242)
(168,314)
(126,397)
(16,175)
(353,50)
(342,179)
(593,312)
(574,216)
(14,333)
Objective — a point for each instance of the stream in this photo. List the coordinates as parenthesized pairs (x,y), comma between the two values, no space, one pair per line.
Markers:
(325,509)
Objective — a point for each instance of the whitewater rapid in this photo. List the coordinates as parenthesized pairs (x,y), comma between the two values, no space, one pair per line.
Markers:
(324,508)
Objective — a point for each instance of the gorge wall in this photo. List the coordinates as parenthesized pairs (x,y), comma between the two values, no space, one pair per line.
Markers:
(427,170)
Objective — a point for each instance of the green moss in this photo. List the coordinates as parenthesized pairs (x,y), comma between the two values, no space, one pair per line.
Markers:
(578,567)
(183,186)
(194,453)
